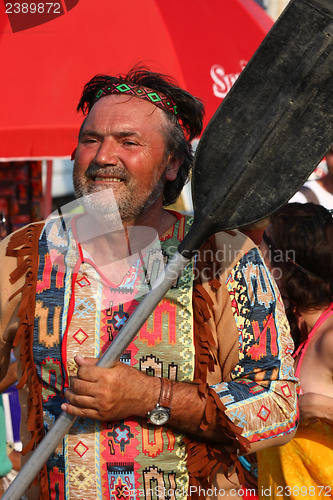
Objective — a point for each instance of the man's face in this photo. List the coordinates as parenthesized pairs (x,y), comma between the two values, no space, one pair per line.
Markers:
(122,147)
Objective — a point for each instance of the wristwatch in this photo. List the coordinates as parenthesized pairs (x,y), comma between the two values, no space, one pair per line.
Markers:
(161,413)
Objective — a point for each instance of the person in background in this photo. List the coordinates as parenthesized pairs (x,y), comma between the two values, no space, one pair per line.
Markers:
(298,249)
(319,191)
(208,376)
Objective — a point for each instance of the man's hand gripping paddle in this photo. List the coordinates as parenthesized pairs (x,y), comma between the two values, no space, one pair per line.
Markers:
(271,130)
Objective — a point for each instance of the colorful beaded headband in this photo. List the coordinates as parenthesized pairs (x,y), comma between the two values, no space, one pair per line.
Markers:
(156,98)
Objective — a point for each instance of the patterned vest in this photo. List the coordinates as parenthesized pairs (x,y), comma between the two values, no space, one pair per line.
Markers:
(79,311)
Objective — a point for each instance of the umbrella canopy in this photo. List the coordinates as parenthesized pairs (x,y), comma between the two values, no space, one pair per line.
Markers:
(203,44)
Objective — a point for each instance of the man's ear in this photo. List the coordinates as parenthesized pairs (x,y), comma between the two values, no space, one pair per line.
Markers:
(172,168)
(73,155)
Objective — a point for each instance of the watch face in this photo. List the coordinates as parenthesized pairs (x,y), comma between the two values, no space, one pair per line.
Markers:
(159,416)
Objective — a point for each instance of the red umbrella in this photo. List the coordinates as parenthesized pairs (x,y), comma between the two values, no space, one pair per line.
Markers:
(204,44)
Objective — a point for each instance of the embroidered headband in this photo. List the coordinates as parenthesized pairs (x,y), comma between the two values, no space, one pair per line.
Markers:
(157,98)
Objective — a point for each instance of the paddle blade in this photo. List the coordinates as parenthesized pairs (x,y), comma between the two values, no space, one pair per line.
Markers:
(274,126)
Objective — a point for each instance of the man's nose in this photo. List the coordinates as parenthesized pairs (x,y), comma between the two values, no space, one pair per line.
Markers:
(107,153)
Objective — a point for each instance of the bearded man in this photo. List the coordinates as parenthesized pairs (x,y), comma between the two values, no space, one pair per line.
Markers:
(208,377)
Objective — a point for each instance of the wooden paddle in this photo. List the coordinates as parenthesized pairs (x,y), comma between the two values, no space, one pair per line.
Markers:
(270,132)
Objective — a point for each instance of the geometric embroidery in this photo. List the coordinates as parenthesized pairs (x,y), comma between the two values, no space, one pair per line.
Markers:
(81,425)
(258,319)
(120,489)
(121,435)
(256,389)
(119,317)
(126,358)
(239,418)
(264,413)
(157,98)
(121,481)
(286,390)
(72,367)
(92,455)
(83,281)
(80,477)
(80,336)
(81,449)
(83,307)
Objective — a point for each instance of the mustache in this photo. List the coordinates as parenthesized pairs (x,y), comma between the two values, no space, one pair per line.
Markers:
(118,171)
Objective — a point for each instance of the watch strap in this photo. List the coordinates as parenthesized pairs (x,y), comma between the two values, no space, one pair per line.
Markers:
(166,393)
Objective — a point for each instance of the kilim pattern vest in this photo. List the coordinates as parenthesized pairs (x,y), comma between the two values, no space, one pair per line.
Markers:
(78,311)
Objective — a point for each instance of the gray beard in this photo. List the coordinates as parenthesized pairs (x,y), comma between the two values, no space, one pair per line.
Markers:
(109,210)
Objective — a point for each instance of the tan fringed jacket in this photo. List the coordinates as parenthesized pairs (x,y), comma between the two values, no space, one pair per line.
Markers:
(242,360)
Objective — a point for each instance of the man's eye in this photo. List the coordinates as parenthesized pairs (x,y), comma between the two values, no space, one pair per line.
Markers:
(88,140)
(130,143)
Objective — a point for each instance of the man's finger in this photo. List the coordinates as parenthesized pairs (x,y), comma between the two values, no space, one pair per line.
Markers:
(80,400)
(82,361)
(81,412)
(84,385)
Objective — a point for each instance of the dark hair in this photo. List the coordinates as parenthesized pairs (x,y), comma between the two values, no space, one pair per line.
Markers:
(178,136)
(302,236)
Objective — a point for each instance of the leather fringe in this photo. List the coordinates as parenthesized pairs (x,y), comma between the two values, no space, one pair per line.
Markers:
(205,459)
(24,246)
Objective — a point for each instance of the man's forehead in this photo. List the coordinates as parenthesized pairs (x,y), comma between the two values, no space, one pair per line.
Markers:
(123,109)
(124,104)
